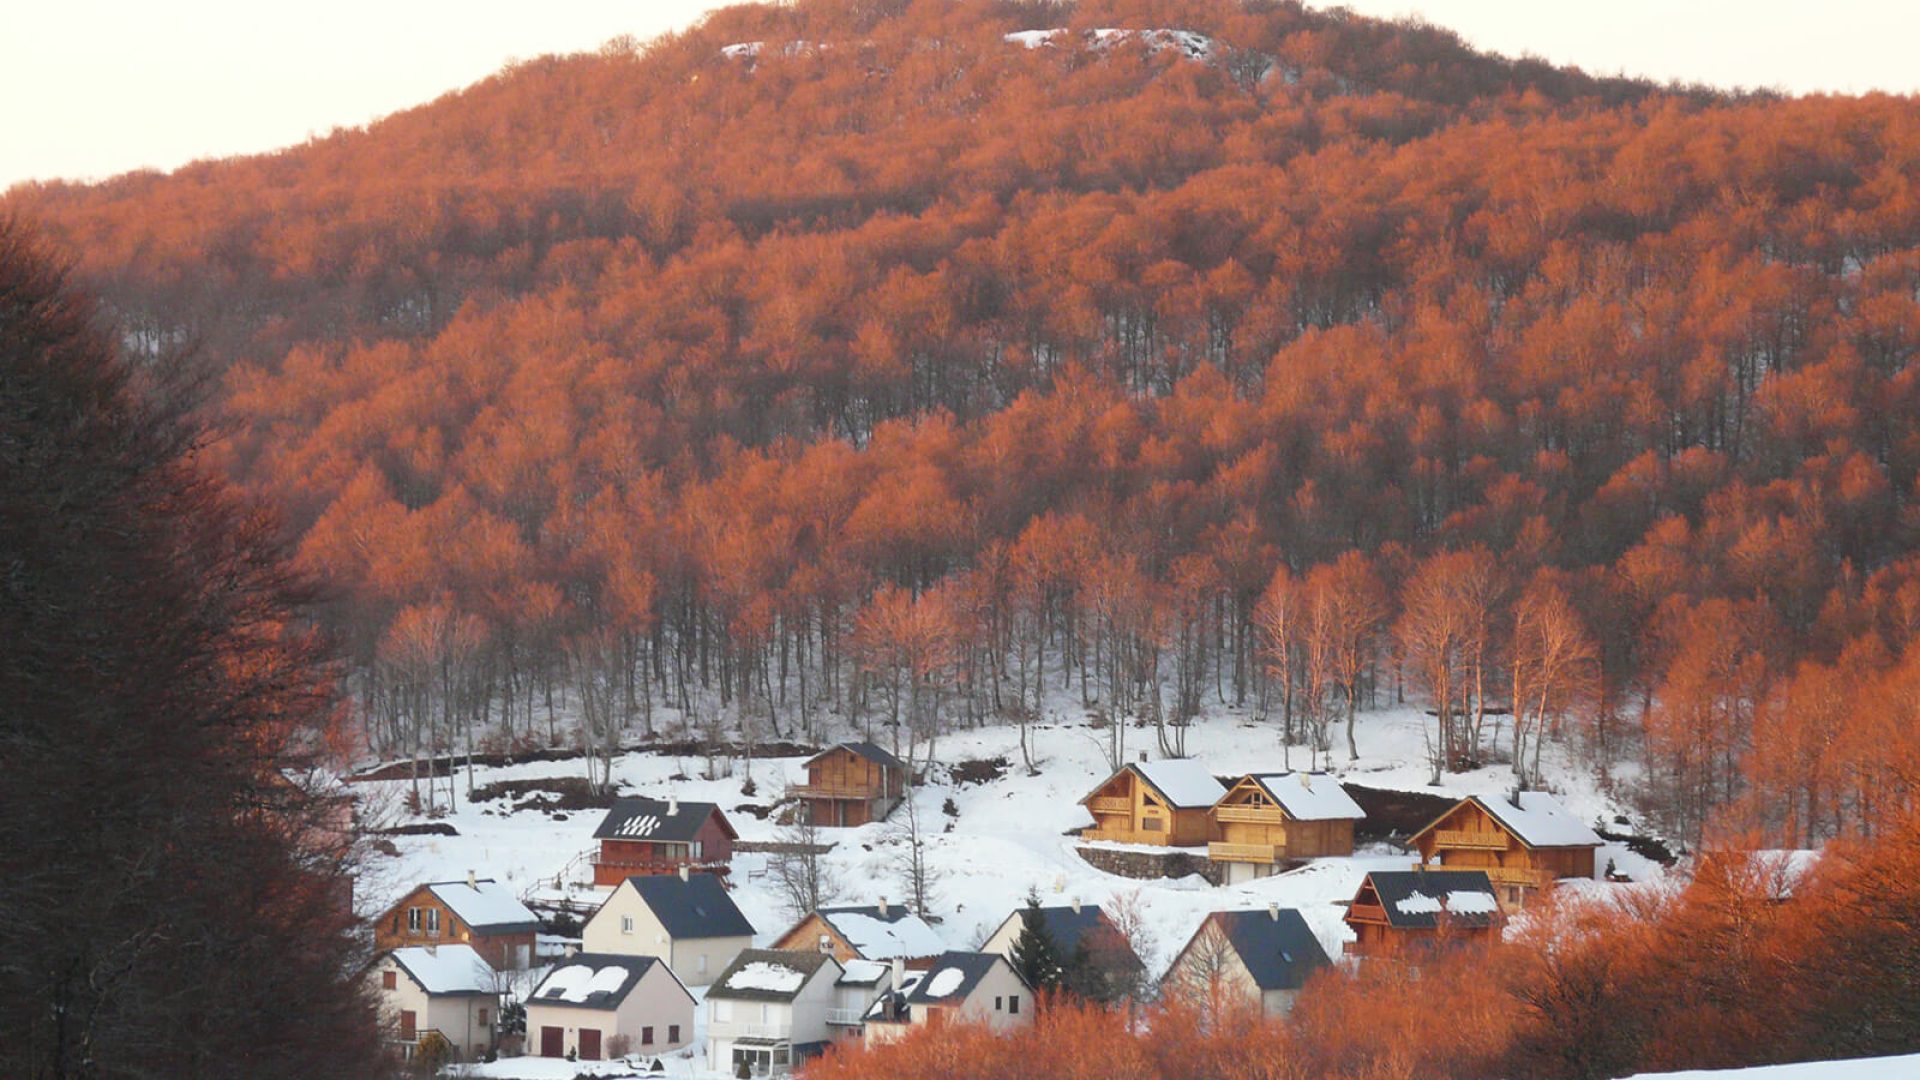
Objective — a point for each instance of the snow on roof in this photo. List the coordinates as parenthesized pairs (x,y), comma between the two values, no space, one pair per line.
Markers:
(945,981)
(875,937)
(1185,783)
(1310,796)
(592,980)
(485,905)
(1459,902)
(770,974)
(447,969)
(1417,903)
(1540,821)
(954,975)
(765,975)
(862,972)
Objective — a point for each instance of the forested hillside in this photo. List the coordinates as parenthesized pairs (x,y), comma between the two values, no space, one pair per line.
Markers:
(866,362)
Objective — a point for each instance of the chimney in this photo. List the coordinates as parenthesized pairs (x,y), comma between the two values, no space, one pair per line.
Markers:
(1306,781)
(472,882)
(1076,905)
(683,871)
(1143,757)
(882,906)
(1273,912)
(673,805)
(899,973)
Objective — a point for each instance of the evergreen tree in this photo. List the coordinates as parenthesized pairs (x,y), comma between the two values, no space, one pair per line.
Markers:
(1036,956)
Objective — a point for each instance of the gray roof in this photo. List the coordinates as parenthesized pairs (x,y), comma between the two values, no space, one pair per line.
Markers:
(656,819)
(1068,927)
(1277,947)
(1429,892)
(580,982)
(697,907)
(973,966)
(737,984)
(864,749)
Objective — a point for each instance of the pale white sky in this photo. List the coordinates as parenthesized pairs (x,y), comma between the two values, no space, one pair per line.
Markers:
(89,88)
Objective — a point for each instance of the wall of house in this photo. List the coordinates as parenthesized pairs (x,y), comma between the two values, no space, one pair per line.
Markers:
(1470,818)
(1148,820)
(1206,967)
(465,1019)
(698,961)
(695,960)
(1149,865)
(658,1002)
(1000,1001)
(805,937)
(506,952)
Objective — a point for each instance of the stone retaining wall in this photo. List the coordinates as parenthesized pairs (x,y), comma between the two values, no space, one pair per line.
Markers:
(1147,864)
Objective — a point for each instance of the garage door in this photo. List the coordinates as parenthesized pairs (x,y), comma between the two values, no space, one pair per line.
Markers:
(589,1044)
(551,1039)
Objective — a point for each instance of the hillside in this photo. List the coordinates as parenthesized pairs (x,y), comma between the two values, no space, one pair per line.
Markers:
(847,364)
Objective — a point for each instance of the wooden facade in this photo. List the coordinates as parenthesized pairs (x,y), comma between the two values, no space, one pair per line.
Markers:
(1128,809)
(1471,836)
(851,784)
(1382,932)
(1255,835)
(815,934)
(705,848)
(421,918)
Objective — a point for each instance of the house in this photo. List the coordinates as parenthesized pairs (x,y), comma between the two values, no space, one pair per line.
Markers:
(1400,910)
(1524,841)
(448,989)
(1154,802)
(880,931)
(769,1010)
(685,919)
(1259,957)
(596,1006)
(479,912)
(1266,819)
(1073,927)
(861,983)
(960,987)
(640,837)
(852,783)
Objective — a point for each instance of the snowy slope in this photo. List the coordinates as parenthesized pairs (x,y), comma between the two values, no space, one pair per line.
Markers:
(1882,1068)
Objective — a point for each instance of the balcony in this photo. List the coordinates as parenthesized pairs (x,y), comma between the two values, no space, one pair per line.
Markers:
(846,1017)
(613,871)
(1524,876)
(1367,913)
(1476,841)
(1109,804)
(1254,815)
(861,792)
(1247,853)
(769,1032)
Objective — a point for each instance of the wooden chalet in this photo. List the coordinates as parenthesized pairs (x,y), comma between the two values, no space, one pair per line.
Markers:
(852,783)
(1524,842)
(1399,911)
(1266,819)
(641,837)
(479,912)
(1154,802)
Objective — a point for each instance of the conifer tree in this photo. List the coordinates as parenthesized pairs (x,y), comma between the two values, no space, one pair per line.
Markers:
(1036,956)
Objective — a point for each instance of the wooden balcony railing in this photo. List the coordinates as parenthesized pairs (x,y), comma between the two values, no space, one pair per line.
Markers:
(1257,815)
(1524,876)
(1110,805)
(1248,853)
(835,791)
(1478,841)
(1368,912)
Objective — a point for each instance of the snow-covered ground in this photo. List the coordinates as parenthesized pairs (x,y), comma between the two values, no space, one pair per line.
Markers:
(1881,1068)
(1008,836)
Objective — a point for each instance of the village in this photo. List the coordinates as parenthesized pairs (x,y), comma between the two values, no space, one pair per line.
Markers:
(666,944)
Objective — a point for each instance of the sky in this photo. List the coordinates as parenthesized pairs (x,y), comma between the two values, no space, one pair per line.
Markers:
(91,88)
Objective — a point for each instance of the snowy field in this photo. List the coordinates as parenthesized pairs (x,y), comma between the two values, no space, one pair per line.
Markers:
(1883,1068)
(1009,835)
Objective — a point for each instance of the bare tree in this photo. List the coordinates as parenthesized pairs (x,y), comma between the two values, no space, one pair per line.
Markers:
(803,880)
(918,877)
(1555,667)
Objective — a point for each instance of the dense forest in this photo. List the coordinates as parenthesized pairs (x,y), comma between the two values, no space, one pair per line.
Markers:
(889,364)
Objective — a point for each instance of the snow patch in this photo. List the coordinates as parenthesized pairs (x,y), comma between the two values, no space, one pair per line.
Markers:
(578,982)
(1186,783)
(484,903)
(1540,820)
(877,939)
(762,975)
(447,969)
(1310,796)
(945,982)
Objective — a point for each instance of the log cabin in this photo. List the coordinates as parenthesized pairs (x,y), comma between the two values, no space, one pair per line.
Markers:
(1154,802)
(1524,842)
(1396,912)
(850,784)
(1261,957)
(880,931)
(1266,819)
(640,837)
(479,912)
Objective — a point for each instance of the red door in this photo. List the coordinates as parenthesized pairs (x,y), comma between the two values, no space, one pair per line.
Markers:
(551,1040)
(589,1044)
(408,1025)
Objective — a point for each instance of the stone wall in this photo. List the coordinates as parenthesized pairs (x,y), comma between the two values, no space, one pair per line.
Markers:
(1148,863)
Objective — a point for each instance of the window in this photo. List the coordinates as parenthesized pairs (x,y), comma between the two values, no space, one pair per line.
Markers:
(1013,1004)
(996,1003)
(694,848)
(482,1017)
(703,963)
(433,922)
(673,1033)
(766,1013)
(413,920)
(826,943)
(646,1035)
(389,980)
(626,924)
(1150,824)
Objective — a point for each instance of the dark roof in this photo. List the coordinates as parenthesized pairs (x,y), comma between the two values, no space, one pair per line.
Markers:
(648,819)
(576,982)
(973,966)
(1277,947)
(697,907)
(1067,927)
(864,749)
(1395,887)
(805,961)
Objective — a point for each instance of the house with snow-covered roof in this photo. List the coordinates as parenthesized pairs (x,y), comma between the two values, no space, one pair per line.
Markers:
(769,1010)
(685,919)
(1398,911)
(851,783)
(1154,802)
(959,987)
(880,931)
(642,837)
(1524,841)
(1260,957)
(480,912)
(1266,820)
(446,989)
(1073,927)
(596,1006)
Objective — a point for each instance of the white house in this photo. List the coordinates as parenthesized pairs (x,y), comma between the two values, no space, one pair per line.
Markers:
(769,1010)
(1261,957)
(960,987)
(859,986)
(450,989)
(596,1006)
(687,920)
